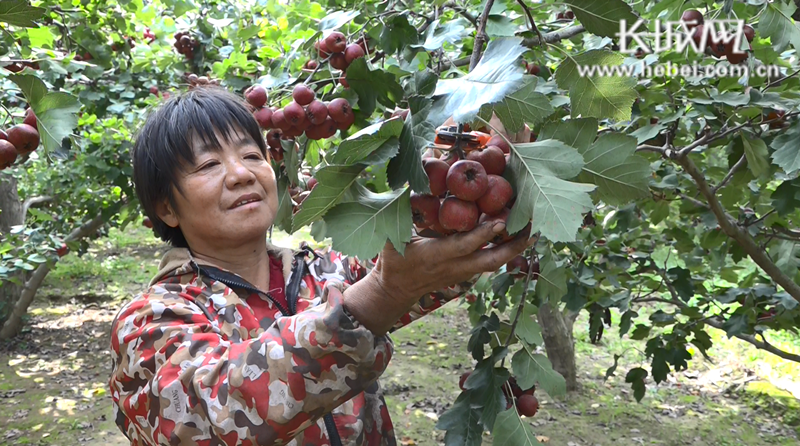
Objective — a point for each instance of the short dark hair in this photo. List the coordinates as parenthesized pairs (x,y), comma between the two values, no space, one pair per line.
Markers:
(164,145)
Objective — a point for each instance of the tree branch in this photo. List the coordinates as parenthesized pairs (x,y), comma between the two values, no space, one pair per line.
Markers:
(737,233)
(727,178)
(530,20)
(464,13)
(719,324)
(33,201)
(522,299)
(480,36)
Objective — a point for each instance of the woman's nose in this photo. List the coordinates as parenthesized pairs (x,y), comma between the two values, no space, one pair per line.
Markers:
(238,172)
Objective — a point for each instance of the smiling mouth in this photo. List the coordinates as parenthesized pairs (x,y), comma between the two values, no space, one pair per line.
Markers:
(244,202)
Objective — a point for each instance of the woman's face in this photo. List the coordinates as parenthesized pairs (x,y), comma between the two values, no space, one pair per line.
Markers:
(228,196)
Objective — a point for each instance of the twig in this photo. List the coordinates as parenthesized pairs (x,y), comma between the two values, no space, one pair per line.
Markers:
(531,22)
(694,201)
(733,170)
(649,148)
(760,219)
(480,36)
(719,324)
(464,13)
(778,81)
(32,201)
(522,299)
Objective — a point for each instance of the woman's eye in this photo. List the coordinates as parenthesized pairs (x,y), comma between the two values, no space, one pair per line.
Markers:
(254,156)
(208,165)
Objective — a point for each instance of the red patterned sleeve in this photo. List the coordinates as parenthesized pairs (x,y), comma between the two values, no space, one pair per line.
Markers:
(180,378)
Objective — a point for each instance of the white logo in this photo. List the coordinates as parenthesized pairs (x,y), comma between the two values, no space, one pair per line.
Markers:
(678,35)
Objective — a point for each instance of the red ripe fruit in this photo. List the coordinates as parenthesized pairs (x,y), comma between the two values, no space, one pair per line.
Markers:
(338,61)
(569,14)
(458,215)
(497,195)
(316,112)
(8,154)
(147,223)
(3,135)
(470,298)
(62,250)
(30,118)
(314,132)
(450,158)
(274,138)
(263,117)
(279,120)
(504,236)
(527,405)
(185,41)
(294,114)
(498,141)
(328,128)
(256,96)
(519,263)
(276,154)
(424,209)
(303,95)
(336,42)
(437,175)
(692,18)
(24,137)
(534,69)
(402,113)
(353,52)
(697,36)
(561,16)
(749,33)
(467,180)
(339,110)
(322,49)
(463,379)
(491,158)
(154,90)
(311,184)
(345,124)
(343,82)
(311,65)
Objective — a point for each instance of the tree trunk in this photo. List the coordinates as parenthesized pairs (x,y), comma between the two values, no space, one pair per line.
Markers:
(10,215)
(559,343)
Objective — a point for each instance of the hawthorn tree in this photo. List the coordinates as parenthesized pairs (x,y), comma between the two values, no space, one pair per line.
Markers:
(681,190)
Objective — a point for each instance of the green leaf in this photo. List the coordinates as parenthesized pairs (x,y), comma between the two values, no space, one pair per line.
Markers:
(636,377)
(610,371)
(523,106)
(787,150)
(552,283)
(461,423)
(602,18)
(425,82)
(736,324)
(41,37)
(37,258)
(360,228)
(532,369)
(621,176)
(625,322)
(283,218)
(485,384)
(373,86)
(500,26)
(511,430)
(56,112)
(660,212)
(755,150)
(640,332)
(496,75)
(407,165)
(359,145)
(786,197)
(435,38)
(776,23)
(555,206)
(787,255)
(578,133)
(336,19)
(181,7)
(20,13)
(291,160)
(397,33)
(332,184)
(527,328)
(602,97)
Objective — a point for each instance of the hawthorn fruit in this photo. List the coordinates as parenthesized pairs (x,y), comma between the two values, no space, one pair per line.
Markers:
(256,96)
(527,405)
(294,114)
(336,42)
(147,223)
(467,180)
(749,33)
(497,195)
(463,379)
(24,137)
(62,250)
(316,112)
(458,215)
(534,69)
(692,18)
(8,154)
(498,141)
(424,209)
(520,264)
(311,183)
(3,135)
(353,52)
(436,170)
(340,111)
(264,117)
(303,95)
(279,120)
(491,158)
(274,138)
(311,65)
(569,15)
(343,82)
(338,61)
(30,118)
(504,236)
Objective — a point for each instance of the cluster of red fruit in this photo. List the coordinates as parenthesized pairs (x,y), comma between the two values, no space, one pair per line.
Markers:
(465,192)
(567,15)
(298,194)
(340,55)
(527,404)
(694,21)
(305,114)
(532,68)
(21,139)
(185,44)
(16,67)
(776,119)
(198,81)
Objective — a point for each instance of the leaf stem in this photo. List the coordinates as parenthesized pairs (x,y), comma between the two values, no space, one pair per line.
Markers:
(480,36)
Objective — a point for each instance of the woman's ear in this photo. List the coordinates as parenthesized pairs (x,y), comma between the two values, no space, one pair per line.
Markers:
(167,214)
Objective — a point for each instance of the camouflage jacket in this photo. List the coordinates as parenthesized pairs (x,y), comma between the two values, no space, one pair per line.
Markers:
(204,358)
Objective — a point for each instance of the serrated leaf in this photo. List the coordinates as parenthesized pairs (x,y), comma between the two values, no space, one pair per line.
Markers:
(397,33)
(332,184)
(636,377)
(361,228)
(555,206)
(621,176)
(530,369)
(499,25)
(461,423)
(425,82)
(511,430)
(364,142)
(776,23)
(41,37)
(625,322)
(786,197)
(283,218)
(787,255)
(496,75)
(552,283)
(602,97)
(523,106)
(291,160)
(336,19)
(485,384)
(56,112)
(527,328)
(436,36)
(787,150)
(407,165)
(578,133)
(602,18)
(755,150)
(660,212)
(20,13)
(373,86)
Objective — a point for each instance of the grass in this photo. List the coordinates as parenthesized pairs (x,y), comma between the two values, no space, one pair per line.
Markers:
(745,397)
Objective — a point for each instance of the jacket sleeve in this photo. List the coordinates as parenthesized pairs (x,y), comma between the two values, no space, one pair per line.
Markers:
(330,264)
(176,379)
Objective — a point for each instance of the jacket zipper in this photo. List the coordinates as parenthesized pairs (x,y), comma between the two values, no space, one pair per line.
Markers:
(330,425)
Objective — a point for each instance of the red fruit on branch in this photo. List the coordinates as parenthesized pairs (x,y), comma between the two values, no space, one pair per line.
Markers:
(497,195)
(62,250)
(424,209)
(147,223)
(311,183)
(353,52)
(437,175)
(328,128)
(458,215)
(534,69)
(256,96)
(467,180)
(279,120)
(154,90)
(276,154)
(519,264)
(498,141)
(749,33)
(24,137)
(316,112)
(692,18)
(30,118)
(274,138)
(336,42)
(491,158)
(8,154)
(338,61)
(264,117)
(294,114)
(463,379)
(303,95)
(527,405)
(311,65)
(569,15)
(339,110)
(3,135)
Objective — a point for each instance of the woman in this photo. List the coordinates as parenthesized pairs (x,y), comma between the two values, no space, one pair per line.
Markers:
(239,342)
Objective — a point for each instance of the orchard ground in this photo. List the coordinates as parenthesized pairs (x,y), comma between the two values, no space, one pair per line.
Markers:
(53,377)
